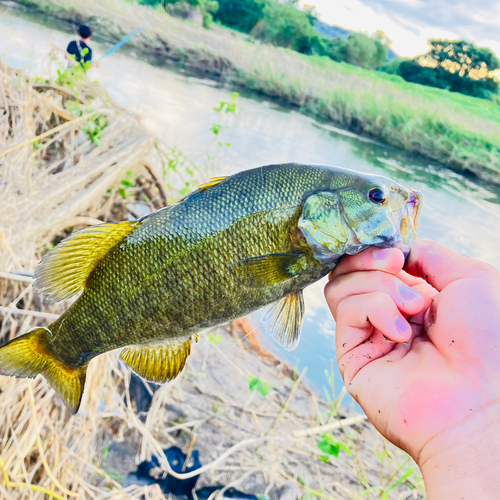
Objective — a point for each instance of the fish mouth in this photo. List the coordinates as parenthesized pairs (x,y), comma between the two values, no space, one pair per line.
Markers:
(407,220)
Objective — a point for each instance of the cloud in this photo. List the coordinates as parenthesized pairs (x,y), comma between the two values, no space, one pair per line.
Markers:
(409,23)
(473,19)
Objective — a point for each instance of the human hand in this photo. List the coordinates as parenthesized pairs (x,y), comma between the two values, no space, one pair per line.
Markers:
(434,391)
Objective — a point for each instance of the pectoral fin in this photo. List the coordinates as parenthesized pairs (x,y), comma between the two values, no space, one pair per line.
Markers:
(284,320)
(157,363)
(265,270)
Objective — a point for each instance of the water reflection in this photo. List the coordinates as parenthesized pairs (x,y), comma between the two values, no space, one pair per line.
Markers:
(459,212)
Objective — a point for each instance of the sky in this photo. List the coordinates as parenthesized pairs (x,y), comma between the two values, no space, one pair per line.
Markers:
(409,23)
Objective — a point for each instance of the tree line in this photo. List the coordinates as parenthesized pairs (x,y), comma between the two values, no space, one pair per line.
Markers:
(457,66)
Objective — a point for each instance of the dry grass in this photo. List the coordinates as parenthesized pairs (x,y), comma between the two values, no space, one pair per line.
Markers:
(56,169)
(53,179)
(50,168)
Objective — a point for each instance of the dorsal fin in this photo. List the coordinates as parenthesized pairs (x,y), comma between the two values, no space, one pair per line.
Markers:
(157,363)
(213,181)
(65,269)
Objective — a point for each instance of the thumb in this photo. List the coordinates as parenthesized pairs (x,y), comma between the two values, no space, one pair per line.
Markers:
(440,266)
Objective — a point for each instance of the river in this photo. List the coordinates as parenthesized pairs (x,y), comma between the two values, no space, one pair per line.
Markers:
(459,212)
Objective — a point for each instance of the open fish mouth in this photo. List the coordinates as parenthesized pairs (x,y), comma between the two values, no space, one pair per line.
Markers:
(407,220)
(413,206)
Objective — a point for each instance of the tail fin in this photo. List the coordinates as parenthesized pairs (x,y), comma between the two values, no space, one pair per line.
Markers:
(28,356)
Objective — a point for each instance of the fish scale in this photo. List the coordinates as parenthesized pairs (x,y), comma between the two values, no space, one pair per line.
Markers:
(231,247)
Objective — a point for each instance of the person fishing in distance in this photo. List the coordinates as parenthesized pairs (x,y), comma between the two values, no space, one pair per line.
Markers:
(79,50)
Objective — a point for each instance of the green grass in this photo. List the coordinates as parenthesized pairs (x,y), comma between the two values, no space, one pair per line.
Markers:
(459,131)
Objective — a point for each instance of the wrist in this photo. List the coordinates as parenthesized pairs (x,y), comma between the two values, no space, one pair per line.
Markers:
(463,461)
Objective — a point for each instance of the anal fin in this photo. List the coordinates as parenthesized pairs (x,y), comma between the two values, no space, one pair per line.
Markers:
(157,363)
(284,320)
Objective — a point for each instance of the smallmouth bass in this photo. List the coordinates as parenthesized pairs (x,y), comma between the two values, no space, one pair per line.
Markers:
(234,245)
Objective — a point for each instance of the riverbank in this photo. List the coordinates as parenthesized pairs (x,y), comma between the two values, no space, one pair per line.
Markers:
(458,131)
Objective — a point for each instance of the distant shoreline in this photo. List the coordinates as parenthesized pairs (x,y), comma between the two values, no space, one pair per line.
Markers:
(458,131)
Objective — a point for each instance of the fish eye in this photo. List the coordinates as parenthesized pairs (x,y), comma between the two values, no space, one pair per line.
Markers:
(376,195)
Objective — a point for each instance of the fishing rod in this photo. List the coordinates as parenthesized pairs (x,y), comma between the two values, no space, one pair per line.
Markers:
(119,44)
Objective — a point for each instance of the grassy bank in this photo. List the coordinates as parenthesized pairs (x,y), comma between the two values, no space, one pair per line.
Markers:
(458,131)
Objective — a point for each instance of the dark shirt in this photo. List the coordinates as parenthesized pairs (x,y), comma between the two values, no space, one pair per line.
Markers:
(75,49)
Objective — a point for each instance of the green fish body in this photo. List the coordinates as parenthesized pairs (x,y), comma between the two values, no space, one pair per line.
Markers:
(234,245)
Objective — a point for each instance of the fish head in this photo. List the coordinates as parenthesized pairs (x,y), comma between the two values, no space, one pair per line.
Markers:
(370,211)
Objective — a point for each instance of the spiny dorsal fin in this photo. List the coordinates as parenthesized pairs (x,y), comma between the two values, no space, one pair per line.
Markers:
(157,363)
(284,320)
(65,269)
(265,270)
(213,181)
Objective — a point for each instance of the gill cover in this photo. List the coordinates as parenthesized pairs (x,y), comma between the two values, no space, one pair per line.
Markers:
(323,226)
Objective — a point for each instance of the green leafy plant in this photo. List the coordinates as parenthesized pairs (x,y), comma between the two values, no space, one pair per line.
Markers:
(331,447)
(215,339)
(94,127)
(216,128)
(75,108)
(258,384)
(73,76)
(228,106)
(127,184)
(223,109)
(397,482)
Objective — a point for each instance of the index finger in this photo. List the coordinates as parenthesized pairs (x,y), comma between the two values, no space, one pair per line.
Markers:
(389,260)
(440,266)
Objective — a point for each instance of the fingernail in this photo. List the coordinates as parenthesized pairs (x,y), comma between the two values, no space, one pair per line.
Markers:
(408,293)
(402,326)
(381,253)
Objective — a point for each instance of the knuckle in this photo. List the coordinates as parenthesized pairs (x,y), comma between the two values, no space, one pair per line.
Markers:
(330,292)
(488,270)
(379,277)
(343,307)
(379,300)
(335,288)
